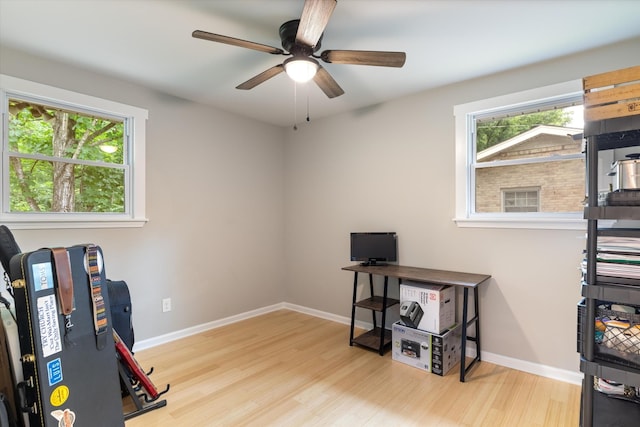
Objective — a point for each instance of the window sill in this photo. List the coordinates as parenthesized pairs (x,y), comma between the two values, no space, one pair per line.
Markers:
(71,224)
(523,223)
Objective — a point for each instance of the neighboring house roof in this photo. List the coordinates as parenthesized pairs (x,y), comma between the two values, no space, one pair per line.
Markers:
(525,137)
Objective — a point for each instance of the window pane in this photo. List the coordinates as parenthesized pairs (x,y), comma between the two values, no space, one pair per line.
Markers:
(44,186)
(520,200)
(94,178)
(514,152)
(527,136)
(35,128)
(561,184)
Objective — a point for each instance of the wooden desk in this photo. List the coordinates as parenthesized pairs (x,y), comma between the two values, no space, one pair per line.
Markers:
(425,275)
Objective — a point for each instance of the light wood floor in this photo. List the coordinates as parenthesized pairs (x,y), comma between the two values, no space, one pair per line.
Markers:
(290,369)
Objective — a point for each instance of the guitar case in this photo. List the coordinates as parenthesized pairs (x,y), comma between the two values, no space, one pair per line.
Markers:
(121,311)
(68,355)
(8,247)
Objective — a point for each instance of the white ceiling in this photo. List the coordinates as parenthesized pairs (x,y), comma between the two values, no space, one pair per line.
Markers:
(446,41)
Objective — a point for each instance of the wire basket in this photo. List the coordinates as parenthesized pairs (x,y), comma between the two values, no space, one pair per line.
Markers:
(617,334)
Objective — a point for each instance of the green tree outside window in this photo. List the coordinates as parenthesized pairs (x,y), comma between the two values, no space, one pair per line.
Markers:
(65,161)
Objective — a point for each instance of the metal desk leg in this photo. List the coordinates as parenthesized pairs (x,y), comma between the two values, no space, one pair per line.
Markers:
(373,313)
(384,315)
(477,320)
(353,307)
(463,350)
(466,322)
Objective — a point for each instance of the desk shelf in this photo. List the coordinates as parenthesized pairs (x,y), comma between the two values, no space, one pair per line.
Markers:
(377,303)
(378,338)
(371,339)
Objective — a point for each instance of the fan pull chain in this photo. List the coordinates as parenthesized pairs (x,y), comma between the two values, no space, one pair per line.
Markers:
(308,119)
(295,105)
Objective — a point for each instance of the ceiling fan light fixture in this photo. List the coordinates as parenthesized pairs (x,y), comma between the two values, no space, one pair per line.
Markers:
(301,69)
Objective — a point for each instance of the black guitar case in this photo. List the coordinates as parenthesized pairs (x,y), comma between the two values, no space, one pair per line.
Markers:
(8,247)
(71,374)
(121,311)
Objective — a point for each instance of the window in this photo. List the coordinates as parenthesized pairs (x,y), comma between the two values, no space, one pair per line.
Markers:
(520,160)
(70,160)
(520,200)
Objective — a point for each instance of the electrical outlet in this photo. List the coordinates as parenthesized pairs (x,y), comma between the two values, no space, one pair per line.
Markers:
(166,305)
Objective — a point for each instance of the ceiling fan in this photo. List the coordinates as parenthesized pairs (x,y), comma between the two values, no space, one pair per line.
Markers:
(301,39)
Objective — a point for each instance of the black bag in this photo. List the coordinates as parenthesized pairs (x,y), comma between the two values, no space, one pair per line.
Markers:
(7,391)
(8,247)
(4,412)
(6,415)
(120,303)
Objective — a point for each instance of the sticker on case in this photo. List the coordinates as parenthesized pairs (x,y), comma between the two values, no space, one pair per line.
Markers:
(54,371)
(66,418)
(42,276)
(48,324)
(59,395)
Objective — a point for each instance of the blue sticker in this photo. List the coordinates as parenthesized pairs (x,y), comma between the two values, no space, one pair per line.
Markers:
(42,276)
(54,369)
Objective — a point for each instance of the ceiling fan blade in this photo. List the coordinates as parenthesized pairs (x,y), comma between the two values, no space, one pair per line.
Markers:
(314,19)
(328,85)
(261,78)
(364,57)
(236,42)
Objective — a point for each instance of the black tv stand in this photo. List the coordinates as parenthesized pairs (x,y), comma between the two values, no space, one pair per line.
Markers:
(373,264)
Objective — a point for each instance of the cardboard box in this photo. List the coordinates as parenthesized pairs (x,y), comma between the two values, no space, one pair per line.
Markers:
(438,304)
(411,346)
(446,350)
(429,352)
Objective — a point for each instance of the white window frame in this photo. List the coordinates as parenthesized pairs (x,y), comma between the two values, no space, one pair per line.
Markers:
(464,173)
(136,118)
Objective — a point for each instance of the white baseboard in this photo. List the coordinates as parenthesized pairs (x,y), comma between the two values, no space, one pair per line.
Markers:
(327,316)
(172,336)
(508,362)
(532,368)
(317,313)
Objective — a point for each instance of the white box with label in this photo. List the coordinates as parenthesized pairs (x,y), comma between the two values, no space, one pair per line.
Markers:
(437,302)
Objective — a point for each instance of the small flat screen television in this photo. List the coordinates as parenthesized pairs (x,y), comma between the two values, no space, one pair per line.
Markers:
(375,248)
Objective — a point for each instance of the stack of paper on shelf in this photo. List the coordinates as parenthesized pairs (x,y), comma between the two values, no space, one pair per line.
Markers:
(618,257)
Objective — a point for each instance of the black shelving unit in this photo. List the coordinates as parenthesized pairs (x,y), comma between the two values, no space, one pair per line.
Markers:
(598,409)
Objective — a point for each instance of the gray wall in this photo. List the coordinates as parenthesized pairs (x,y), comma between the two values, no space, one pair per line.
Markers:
(244,215)
(391,167)
(214,242)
